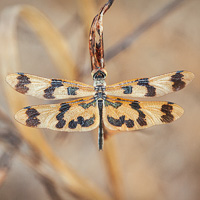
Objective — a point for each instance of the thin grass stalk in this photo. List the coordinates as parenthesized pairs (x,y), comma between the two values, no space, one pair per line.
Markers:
(6,158)
(5,164)
(10,63)
(54,42)
(113,167)
(87,10)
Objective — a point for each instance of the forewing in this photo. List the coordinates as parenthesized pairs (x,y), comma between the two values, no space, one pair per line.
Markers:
(126,115)
(151,87)
(44,88)
(78,115)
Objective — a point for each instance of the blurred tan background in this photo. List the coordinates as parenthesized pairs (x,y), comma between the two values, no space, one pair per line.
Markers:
(160,163)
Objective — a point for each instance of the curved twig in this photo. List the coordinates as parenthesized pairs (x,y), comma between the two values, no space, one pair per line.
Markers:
(96,47)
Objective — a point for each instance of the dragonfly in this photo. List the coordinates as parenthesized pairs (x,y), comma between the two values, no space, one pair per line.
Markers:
(100,105)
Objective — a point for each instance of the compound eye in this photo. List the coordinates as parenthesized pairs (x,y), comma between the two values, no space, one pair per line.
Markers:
(100,74)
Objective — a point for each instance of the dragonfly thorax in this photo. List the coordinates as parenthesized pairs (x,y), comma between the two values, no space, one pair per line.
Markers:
(100,86)
(100,95)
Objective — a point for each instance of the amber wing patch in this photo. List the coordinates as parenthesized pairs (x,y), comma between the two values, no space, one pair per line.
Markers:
(126,115)
(44,88)
(151,87)
(77,115)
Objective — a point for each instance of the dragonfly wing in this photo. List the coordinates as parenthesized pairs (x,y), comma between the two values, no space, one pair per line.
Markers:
(77,115)
(44,88)
(151,87)
(127,115)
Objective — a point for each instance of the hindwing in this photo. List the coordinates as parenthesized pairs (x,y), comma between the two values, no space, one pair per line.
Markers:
(127,115)
(77,115)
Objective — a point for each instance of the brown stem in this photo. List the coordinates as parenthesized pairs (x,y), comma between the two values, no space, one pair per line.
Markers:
(96,47)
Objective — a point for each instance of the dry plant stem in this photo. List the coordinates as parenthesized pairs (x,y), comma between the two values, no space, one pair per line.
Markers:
(135,34)
(10,63)
(56,45)
(5,163)
(50,188)
(113,167)
(96,47)
(10,142)
(87,10)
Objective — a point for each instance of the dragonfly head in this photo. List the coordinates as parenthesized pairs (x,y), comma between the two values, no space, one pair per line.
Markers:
(99,74)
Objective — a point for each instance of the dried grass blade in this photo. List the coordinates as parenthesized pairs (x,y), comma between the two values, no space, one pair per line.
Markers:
(56,45)
(5,163)
(50,187)
(113,166)
(6,134)
(87,10)
(54,41)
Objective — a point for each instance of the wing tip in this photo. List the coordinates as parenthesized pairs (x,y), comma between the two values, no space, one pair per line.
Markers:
(28,117)
(20,116)
(9,78)
(187,75)
(178,111)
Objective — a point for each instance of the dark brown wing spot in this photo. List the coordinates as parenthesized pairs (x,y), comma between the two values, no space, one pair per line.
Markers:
(141,118)
(127,89)
(23,81)
(114,105)
(49,93)
(80,120)
(168,117)
(151,91)
(55,83)
(32,114)
(129,123)
(87,105)
(178,82)
(116,122)
(63,109)
(72,124)
(135,105)
(119,122)
(72,90)
(87,122)
(61,123)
